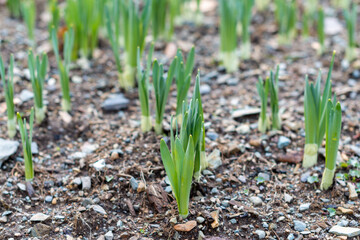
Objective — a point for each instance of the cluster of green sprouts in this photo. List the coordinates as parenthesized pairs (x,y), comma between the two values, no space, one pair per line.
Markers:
(265,88)
(8,85)
(245,13)
(14,7)
(28,10)
(285,15)
(351,20)
(38,68)
(64,65)
(26,139)
(315,106)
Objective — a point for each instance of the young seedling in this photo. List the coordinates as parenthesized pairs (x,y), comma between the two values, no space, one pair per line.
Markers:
(158,16)
(183,80)
(8,85)
(135,25)
(28,10)
(263,90)
(14,7)
(315,106)
(351,19)
(143,88)
(55,15)
(274,99)
(86,17)
(194,125)
(320,30)
(26,139)
(246,12)
(179,167)
(333,130)
(228,35)
(309,16)
(285,14)
(64,65)
(162,88)
(38,69)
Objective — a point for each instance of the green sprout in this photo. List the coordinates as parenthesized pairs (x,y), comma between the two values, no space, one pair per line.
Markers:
(333,130)
(183,80)
(64,65)
(179,166)
(158,16)
(8,85)
(193,124)
(315,106)
(28,10)
(351,19)
(309,16)
(228,35)
(135,25)
(274,99)
(38,70)
(320,30)
(285,14)
(162,88)
(86,17)
(263,90)
(26,138)
(14,7)
(245,16)
(143,83)
(55,15)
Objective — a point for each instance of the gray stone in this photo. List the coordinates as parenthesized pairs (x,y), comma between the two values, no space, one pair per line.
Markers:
(34,148)
(288,198)
(86,183)
(78,155)
(21,186)
(200,219)
(134,184)
(214,191)
(109,235)
(304,207)
(343,223)
(168,189)
(283,142)
(261,234)
(265,176)
(291,236)
(305,176)
(3,219)
(214,159)
(238,114)
(212,135)
(115,102)
(256,201)
(332,26)
(353,223)
(99,165)
(40,230)
(233,221)
(205,89)
(7,148)
(89,148)
(242,178)
(48,199)
(39,217)
(76,181)
(345,231)
(299,225)
(98,208)
(26,95)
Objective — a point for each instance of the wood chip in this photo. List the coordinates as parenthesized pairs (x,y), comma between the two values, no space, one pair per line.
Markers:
(215,216)
(344,210)
(352,192)
(186,227)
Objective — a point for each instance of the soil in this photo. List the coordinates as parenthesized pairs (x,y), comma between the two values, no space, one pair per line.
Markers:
(137,213)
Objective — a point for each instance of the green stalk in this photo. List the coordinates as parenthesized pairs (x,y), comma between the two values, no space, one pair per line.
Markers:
(174,12)
(135,25)
(38,70)
(143,83)
(55,15)
(263,90)
(14,7)
(246,12)
(274,99)
(315,106)
(351,19)
(64,65)
(8,85)
(321,31)
(162,88)
(28,9)
(158,15)
(285,14)
(26,139)
(228,36)
(183,80)
(333,130)
(179,166)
